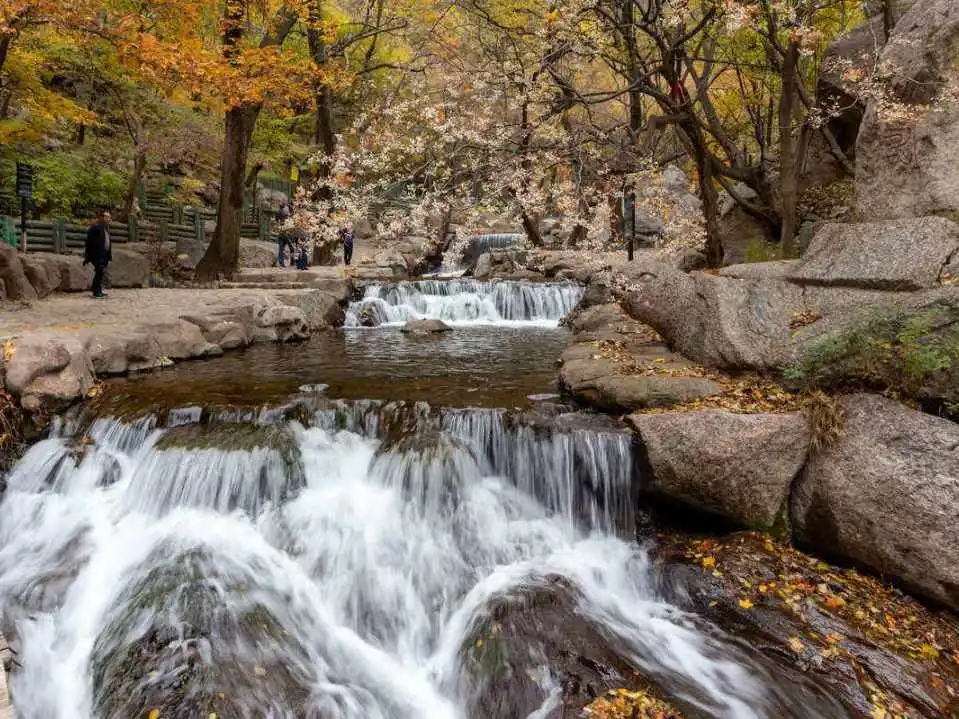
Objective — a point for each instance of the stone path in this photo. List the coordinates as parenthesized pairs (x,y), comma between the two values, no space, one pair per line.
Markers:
(54,350)
(122,308)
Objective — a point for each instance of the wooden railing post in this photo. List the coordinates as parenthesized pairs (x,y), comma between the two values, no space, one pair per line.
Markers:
(59,236)
(164,231)
(133,229)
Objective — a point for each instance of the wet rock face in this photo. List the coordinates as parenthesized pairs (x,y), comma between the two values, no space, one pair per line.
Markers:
(738,466)
(869,647)
(887,495)
(195,657)
(425,327)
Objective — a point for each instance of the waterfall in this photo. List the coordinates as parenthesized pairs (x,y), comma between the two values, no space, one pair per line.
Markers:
(366,560)
(464,251)
(464,302)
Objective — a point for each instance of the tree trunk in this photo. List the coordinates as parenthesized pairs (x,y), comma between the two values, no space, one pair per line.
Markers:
(223,255)
(139,165)
(888,18)
(788,152)
(5,41)
(531,228)
(323,132)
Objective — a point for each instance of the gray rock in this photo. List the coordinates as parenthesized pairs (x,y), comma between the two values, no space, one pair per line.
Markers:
(222,328)
(425,327)
(907,159)
(716,321)
(256,254)
(49,373)
(775,270)
(74,275)
(279,323)
(675,179)
(320,309)
(128,268)
(887,496)
(898,255)
(626,393)
(599,317)
(13,279)
(484,267)
(649,225)
(43,272)
(180,340)
(120,351)
(738,466)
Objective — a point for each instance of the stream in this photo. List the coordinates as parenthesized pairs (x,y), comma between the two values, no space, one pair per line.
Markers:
(366,525)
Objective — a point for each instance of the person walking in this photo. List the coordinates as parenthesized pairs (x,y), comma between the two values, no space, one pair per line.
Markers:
(98,252)
(283,239)
(347,236)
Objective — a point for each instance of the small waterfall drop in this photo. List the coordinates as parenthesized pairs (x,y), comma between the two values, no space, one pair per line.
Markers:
(463,302)
(366,560)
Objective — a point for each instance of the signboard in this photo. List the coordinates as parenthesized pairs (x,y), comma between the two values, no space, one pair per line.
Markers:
(25,181)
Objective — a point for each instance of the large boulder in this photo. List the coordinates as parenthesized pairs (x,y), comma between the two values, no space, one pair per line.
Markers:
(716,321)
(257,254)
(321,309)
(180,339)
(128,268)
(14,284)
(897,255)
(738,466)
(47,372)
(907,153)
(74,275)
(43,271)
(887,495)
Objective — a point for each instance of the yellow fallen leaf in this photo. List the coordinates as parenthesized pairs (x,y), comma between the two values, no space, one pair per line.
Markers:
(259,671)
(795,643)
(154,714)
(927,651)
(479,643)
(709,562)
(745,604)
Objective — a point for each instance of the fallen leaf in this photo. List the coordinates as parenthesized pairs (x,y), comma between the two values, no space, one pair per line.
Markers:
(259,671)
(745,604)
(709,562)
(795,643)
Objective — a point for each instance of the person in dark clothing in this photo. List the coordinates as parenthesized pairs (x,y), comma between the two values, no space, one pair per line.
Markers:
(283,235)
(98,251)
(347,235)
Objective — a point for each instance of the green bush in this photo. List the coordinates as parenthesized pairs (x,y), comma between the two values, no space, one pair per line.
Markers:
(759,250)
(72,184)
(901,352)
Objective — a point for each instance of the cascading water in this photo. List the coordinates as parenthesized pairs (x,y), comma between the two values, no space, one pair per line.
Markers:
(464,302)
(365,561)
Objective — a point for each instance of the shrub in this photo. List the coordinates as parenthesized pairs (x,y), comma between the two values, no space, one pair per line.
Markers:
(900,352)
(73,184)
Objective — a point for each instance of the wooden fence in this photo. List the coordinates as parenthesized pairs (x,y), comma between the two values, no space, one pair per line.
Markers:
(59,237)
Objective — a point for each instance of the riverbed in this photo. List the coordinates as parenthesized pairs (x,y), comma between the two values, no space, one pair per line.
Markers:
(368,524)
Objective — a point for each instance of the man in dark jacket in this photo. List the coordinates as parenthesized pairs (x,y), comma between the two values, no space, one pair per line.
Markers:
(346,234)
(98,251)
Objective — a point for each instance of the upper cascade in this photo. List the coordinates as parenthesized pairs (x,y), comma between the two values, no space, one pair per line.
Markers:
(464,301)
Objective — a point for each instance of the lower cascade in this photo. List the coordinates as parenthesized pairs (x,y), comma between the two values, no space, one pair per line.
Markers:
(358,560)
(463,301)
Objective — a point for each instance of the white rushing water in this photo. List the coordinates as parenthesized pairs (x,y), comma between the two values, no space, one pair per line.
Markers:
(465,302)
(358,566)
